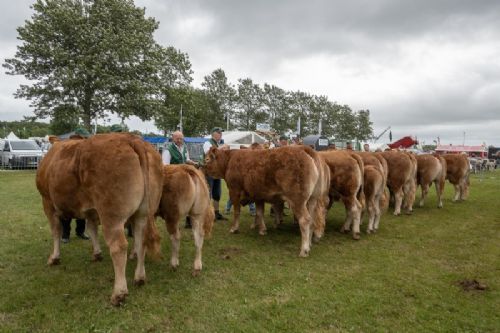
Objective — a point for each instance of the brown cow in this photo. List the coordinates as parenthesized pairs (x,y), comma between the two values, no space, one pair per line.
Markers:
(431,168)
(457,172)
(410,189)
(270,175)
(400,178)
(346,184)
(375,180)
(108,179)
(373,187)
(185,193)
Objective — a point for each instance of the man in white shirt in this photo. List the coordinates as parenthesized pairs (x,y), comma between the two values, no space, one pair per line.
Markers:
(215,184)
(176,152)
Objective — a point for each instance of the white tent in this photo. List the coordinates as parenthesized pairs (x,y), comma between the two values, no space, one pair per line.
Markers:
(235,139)
(11,136)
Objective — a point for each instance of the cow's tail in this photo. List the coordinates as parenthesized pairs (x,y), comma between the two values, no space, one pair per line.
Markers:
(151,239)
(201,187)
(361,191)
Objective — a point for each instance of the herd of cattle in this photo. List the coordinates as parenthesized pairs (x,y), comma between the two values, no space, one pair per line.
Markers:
(118,179)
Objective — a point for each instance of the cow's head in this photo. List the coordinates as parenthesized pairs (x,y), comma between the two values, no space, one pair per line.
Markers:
(215,162)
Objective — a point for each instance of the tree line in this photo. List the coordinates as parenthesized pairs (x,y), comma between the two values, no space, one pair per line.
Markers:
(87,59)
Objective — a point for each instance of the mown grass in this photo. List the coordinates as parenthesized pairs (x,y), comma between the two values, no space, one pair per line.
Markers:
(403,279)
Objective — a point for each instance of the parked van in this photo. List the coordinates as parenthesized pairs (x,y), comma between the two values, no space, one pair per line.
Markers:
(20,154)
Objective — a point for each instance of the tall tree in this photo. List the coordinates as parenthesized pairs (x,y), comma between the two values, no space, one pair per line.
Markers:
(250,104)
(92,56)
(222,96)
(276,104)
(364,129)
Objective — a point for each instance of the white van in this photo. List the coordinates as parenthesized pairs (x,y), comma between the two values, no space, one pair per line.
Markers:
(19,154)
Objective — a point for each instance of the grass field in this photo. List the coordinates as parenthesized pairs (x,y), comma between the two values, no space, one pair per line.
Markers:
(405,278)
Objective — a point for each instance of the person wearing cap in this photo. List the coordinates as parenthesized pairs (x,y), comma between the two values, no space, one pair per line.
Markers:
(176,153)
(283,141)
(214,184)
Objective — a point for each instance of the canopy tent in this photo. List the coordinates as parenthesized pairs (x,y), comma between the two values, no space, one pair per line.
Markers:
(11,136)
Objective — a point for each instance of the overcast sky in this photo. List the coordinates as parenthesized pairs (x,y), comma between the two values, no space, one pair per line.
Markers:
(425,68)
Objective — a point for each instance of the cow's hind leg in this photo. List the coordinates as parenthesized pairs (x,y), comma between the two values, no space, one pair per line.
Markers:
(91,229)
(235,198)
(117,243)
(398,200)
(199,235)
(172,224)
(56,229)
(425,191)
(439,184)
(305,221)
(259,218)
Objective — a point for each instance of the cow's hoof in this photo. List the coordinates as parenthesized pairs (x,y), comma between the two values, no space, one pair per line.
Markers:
(409,212)
(316,239)
(396,214)
(174,266)
(356,236)
(421,204)
(196,272)
(53,261)
(118,300)
(375,230)
(234,231)
(369,231)
(139,282)
(97,257)
(132,256)
(263,232)
(304,254)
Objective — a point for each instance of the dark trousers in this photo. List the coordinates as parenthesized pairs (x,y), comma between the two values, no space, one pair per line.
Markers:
(215,188)
(66,227)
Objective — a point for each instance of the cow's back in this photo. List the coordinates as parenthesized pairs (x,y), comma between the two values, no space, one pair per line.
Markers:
(457,167)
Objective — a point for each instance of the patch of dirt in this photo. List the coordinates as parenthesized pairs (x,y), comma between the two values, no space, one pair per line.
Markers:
(468,285)
(228,252)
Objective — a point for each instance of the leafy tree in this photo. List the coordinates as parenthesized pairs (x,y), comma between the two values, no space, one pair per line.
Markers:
(24,129)
(64,119)
(250,104)
(364,129)
(91,56)
(276,105)
(222,97)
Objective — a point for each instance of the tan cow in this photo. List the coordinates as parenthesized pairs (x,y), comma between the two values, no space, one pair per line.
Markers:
(400,178)
(346,184)
(108,179)
(457,172)
(410,189)
(431,168)
(373,186)
(185,193)
(270,175)
(375,180)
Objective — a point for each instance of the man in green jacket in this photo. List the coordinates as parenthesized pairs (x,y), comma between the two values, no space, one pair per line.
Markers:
(176,153)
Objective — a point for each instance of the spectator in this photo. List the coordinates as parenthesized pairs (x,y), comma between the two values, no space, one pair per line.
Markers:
(177,153)
(348,146)
(283,141)
(215,184)
(366,147)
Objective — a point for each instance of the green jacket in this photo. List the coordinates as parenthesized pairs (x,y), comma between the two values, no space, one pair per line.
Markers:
(175,155)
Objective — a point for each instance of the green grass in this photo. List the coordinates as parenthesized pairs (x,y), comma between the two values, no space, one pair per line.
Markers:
(403,279)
